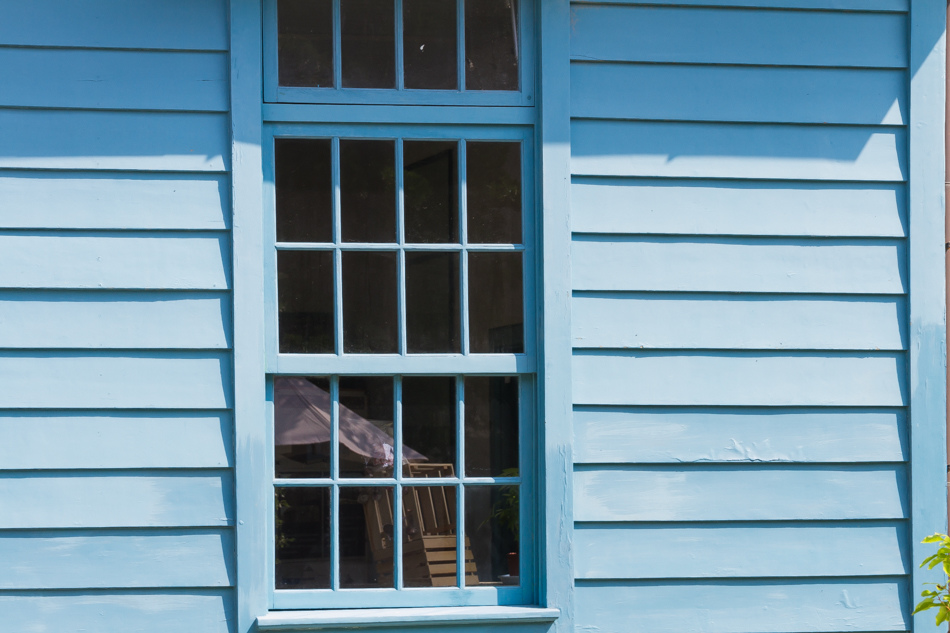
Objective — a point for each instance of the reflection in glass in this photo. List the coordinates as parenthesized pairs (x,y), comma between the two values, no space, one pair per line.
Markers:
(302,427)
(303,184)
(432,302)
(302,531)
(369,302)
(305,301)
(368,190)
(366,426)
(305,43)
(366,537)
(428,424)
(496,312)
(429,536)
(493,174)
(430,48)
(368,41)
(431,186)
(492,519)
(491,44)
(491,426)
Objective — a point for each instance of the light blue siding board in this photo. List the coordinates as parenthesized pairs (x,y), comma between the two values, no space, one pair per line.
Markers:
(736,93)
(42,440)
(796,38)
(752,606)
(104,559)
(707,150)
(197,261)
(741,551)
(96,380)
(121,499)
(613,205)
(682,435)
(739,265)
(91,200)
(837,5)
(690,321)
(740,379)
(114,320)
(740,493)
(136,80)
(133,141)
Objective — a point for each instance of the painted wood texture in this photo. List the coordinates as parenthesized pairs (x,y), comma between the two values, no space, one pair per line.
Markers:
(32,440)
(839,5)
(740,493)
(609,435)
(685,207)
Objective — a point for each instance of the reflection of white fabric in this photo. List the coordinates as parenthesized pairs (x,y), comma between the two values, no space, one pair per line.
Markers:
(302,416)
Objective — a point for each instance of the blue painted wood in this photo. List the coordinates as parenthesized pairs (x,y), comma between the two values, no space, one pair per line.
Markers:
(737,93)
(196,261)
(689,435)
(751,606)
(136,141)
(728,321)
(70,78)
(739,265)
(837,5)
(91,200)
(785,550)
(98,380)
(42,440)
(102,559)
(781,152)
(614,205)
(740,379)
(683,35)
(356,113)
(116,499)
(484,617)
(740,493)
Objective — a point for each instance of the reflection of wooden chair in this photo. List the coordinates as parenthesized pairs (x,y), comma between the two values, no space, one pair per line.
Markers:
(429,534)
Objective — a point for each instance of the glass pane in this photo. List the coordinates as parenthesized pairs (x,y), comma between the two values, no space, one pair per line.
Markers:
(491,426)
(304,190)
(368,43)
(368,191)
(305,301)
(366,426)
(430,44)
(496,313)
(492,522)
(432,302)
(431,186)
(491,44)
(302,427)
(429,537)
(428,425)
(369,303)
(366,537)
(305,43)
(302,532)
(493,175)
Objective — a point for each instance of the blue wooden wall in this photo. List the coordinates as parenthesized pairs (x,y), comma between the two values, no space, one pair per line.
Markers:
(116,498)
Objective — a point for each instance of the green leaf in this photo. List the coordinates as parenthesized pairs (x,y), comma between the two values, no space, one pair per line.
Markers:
(936,537)
(943,615)
(923,605)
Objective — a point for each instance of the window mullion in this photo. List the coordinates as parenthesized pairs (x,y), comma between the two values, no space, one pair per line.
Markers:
(397,474)
(460,489)
(337,46)
(460,29)
(337,255)
(401,240)
(463,239)
(400,48)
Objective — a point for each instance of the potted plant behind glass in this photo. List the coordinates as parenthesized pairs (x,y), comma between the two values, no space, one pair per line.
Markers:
(506,512)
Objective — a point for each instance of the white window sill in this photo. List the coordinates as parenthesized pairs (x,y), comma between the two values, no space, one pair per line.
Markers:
(415,617)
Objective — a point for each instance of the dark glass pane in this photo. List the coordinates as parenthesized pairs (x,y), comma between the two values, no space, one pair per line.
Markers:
(304,190)
(305,301)
(492,522)
(430,44)
(432,302)
(493,175)
(368,191)
(305,43)
(369,303)
(303,538)
(366,537)
(366,426)
(491,426)
(429,536)
(491,44)
(368,43)
(496,305)
(431,186)
(302,427)
(428,425)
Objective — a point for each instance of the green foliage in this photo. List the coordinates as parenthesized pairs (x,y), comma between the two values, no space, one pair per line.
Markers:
(506,510)
(940,598)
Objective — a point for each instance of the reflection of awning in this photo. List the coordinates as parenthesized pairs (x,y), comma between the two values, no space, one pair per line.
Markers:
(302,416)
